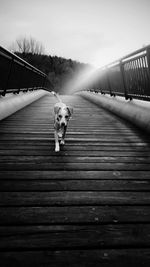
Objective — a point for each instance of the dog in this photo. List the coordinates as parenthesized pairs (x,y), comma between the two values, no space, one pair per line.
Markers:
(62,115)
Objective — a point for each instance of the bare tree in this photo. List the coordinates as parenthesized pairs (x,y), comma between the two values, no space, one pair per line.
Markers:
(25,45)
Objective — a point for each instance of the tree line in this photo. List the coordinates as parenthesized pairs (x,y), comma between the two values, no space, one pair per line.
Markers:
(58,69)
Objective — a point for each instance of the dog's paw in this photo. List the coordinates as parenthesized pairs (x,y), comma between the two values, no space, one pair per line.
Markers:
(57,148)
(62,142)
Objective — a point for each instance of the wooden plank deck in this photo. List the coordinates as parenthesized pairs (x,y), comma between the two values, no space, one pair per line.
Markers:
(88,205)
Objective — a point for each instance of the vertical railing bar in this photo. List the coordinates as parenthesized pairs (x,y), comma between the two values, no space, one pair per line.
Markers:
(148,63)
(146,74)
(143,78)
(44,82)
(135,76)
(140,77)
(8,77)
(129,77)
(108,82)
(132,75)
(126,81)
(125,75)
(123,79)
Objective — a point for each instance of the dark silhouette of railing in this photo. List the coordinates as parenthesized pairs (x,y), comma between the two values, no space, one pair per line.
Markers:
(128,76)
(17,75)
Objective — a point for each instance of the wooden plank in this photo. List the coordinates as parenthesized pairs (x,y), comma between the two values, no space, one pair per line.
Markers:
(73,166)
(78,130)
(77,134)
(63,174)
(72,147)
(67,198)
(84,215)
(78,258)
(81,153)
(73,185)
(79,137)
(73,236)
(71,127)
(75,141)
(74,159)
(49,129)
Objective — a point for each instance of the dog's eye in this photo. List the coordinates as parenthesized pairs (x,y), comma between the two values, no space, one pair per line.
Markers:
(59,116)
(66,116)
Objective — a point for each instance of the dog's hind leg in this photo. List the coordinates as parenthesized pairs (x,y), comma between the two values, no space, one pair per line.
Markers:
(57,147)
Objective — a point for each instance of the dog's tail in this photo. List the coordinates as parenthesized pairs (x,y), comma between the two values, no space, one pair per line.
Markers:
(57,96)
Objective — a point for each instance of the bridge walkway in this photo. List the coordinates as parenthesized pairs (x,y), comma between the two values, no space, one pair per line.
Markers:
(88,205)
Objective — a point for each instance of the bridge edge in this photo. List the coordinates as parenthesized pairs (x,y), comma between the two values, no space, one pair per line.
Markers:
(12,103)
(129,110)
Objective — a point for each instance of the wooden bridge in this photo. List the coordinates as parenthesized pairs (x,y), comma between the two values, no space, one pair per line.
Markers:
(88,205)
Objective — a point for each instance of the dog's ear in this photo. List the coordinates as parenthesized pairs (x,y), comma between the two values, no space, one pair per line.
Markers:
(70,111)
(56,109)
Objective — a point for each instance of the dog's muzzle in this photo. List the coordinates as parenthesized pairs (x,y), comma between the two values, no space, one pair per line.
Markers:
(63,124)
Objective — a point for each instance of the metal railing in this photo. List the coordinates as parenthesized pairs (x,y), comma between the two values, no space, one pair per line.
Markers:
(128,76)
(17,75)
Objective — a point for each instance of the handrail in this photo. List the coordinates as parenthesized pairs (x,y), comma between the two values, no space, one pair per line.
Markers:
(128,76)
(17,75)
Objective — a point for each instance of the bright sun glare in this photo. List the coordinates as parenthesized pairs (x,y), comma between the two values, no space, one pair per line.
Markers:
(107,55)
(89,75)
(80,81)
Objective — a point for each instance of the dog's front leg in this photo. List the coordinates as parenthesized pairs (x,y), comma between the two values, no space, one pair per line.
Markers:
(57,148)
(63,136)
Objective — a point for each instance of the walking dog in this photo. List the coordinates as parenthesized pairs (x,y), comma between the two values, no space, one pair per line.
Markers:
(62,114)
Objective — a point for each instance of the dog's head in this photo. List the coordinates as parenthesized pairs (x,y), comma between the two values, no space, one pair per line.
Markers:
(63,115)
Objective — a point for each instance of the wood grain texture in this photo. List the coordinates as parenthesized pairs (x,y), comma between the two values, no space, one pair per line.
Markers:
(77,258)
(89,204)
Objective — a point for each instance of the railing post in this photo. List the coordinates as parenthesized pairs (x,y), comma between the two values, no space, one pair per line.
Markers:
(148,62)
(108,82)
(123,79)
(9,72)
(44,82)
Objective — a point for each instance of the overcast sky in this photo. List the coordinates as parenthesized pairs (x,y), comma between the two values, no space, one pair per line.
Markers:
(92,31)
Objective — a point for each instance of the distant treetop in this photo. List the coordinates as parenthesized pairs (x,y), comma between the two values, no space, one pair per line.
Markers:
(58,69)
